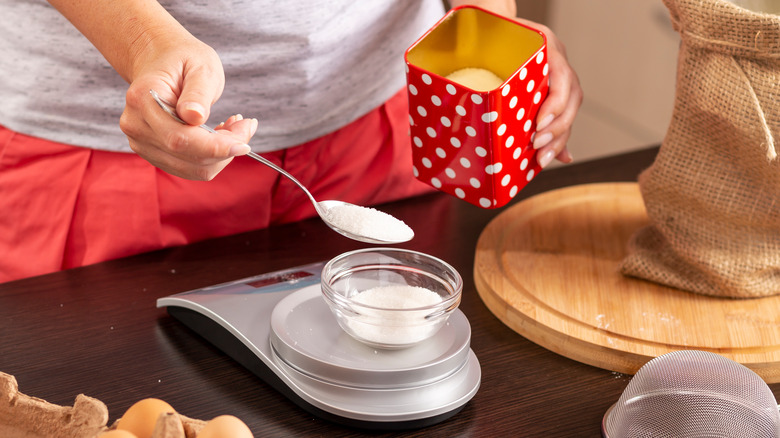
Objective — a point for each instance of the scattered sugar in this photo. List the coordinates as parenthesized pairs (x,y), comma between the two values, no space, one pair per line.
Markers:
(398,328)
(369,222)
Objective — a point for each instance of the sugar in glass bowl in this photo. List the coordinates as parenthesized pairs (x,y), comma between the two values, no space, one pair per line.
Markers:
(390,298)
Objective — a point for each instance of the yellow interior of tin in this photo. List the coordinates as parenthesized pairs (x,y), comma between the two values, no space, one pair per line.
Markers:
(473,38)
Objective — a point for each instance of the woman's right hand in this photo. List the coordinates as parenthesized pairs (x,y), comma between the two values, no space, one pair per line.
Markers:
(187,73)
(152,51)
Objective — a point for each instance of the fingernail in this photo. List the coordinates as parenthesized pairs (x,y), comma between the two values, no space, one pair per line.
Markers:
(545,158)
(544,122)
(239,117)
(541,141)
(255,124)
(195,107)
(239,149)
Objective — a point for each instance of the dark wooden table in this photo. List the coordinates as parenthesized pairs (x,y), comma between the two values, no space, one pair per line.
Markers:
(96,330)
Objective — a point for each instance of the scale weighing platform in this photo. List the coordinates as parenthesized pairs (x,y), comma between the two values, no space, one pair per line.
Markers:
(279,327)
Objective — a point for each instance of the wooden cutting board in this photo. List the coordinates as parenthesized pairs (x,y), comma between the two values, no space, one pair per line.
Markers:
(548,268)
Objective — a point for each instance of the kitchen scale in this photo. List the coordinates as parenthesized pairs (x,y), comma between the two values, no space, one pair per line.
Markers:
(279,327)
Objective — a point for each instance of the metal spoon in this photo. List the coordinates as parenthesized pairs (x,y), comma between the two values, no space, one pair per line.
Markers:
(322,207)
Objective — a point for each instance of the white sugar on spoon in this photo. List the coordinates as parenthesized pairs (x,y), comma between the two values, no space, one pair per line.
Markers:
(322,207)
(369,223)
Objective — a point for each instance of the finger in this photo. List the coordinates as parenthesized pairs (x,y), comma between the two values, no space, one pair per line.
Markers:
(177,166)
(180,147)
(565,156)
(558,127)
(201,88)
(230,121)
(200,147)
(239,128)
(556,150)
(564,88)
(192,143)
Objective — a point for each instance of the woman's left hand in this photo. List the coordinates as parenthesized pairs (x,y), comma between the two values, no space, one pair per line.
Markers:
(556,114)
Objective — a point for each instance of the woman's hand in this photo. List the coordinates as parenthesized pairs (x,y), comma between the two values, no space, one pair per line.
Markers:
(556,115)
(188,74)
(152,51)
(557,112)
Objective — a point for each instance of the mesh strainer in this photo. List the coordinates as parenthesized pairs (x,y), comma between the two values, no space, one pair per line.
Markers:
(692,394)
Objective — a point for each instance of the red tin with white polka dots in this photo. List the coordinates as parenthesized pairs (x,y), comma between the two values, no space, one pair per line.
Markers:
(476,145)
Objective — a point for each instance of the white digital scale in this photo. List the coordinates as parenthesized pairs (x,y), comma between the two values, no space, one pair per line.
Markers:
(279,327)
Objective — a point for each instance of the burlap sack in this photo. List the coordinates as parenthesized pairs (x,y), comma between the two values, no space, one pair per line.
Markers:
(713,192)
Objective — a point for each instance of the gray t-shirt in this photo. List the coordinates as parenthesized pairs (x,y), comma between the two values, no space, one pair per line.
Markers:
(302,68)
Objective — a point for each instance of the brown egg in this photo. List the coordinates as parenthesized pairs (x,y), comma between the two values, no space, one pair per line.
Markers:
(117,434)
(141,417)
(225,426)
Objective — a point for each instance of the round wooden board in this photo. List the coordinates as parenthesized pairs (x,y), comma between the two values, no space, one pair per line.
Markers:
(548,267)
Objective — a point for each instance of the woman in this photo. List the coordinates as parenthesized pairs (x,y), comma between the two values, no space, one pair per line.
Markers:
(324,79)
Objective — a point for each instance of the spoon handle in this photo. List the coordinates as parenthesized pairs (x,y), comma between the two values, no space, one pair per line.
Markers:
(168,108)
(288,175)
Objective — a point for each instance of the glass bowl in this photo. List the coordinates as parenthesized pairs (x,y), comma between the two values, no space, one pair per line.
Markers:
(390,298)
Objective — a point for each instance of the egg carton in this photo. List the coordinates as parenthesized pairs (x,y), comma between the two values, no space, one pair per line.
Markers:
(24,416)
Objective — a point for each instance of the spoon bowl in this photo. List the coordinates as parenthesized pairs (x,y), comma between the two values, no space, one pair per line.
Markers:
(327,210)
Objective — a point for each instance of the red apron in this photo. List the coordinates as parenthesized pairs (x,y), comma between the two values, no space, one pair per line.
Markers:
(63,206)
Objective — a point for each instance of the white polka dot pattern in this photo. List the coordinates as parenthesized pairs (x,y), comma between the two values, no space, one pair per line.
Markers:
(476,145)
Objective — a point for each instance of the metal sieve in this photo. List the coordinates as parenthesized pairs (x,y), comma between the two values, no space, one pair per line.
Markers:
(692,394)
